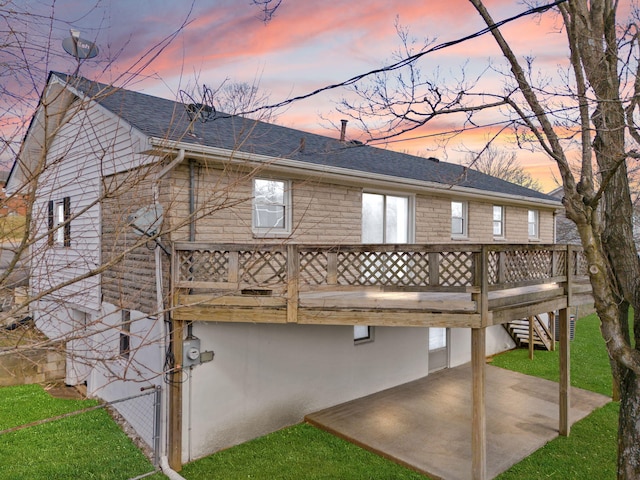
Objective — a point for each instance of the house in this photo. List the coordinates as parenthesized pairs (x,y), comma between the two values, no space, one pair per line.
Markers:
(258,272)
(12,205)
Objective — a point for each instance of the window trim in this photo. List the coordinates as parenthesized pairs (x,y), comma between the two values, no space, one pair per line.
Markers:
(56,236)
(535,223)
(464,218)
(501,222)
(287,205)
(125,333)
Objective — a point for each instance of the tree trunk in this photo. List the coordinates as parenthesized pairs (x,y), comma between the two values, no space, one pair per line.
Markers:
(629,427)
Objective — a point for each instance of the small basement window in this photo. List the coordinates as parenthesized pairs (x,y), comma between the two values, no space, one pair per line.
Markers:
(362,334)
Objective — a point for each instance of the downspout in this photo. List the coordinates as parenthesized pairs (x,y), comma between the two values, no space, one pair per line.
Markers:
(192,238)
(161,311)
(170,473)
(192,200)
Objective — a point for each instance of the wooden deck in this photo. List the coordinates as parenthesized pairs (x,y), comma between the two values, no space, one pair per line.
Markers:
(455,285)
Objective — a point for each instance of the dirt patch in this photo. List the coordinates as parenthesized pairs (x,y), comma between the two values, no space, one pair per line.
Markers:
(67,392)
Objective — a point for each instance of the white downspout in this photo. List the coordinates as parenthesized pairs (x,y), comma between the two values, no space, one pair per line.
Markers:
(161,320)
(170,473)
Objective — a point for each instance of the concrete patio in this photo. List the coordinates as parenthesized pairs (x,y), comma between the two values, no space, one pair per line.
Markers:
(426,424)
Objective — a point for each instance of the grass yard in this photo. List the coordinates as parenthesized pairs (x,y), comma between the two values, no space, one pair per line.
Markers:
(86,446)
(590,449)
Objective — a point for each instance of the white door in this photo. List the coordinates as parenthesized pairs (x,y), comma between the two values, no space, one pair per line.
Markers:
(438,348)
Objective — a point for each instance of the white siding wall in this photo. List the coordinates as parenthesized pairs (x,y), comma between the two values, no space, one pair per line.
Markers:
(87,146)
(90,144)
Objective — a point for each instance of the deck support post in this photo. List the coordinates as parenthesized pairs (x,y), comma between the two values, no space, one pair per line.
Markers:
(479,419)
(531,344)
(175,399)
(293,283)
(565,373)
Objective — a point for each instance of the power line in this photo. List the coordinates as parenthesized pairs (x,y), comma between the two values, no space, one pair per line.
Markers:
(410,59)
(466,129)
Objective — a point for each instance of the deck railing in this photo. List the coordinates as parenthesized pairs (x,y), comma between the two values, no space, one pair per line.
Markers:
(256,268)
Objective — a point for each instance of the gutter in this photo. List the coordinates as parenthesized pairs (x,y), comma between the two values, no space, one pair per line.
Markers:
(342,174)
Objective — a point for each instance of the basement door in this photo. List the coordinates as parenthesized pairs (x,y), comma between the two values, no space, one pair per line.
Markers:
(438,349)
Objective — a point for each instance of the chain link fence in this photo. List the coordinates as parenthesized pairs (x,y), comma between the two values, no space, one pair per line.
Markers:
(139,416)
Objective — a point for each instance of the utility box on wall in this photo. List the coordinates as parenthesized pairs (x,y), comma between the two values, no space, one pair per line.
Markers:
(191,352)
(572,326)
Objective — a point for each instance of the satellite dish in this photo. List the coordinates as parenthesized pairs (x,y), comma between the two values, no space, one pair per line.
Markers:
(78,47)
(147,220)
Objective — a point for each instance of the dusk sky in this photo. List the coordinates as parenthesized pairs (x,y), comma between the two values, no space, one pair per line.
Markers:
(307,45)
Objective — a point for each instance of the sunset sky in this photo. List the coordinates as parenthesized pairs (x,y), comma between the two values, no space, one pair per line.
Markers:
(307,45)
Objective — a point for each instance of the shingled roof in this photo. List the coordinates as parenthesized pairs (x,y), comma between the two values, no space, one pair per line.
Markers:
(167,119)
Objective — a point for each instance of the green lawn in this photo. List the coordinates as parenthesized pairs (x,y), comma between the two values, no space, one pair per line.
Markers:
(86,446)
(590,449)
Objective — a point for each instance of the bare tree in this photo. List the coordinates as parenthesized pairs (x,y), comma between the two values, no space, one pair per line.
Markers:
(590,112)
(502,165)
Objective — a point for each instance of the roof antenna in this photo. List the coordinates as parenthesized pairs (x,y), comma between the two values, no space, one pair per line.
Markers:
(202,110)
(79,48)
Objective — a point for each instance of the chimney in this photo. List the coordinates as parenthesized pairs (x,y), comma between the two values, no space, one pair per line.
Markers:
(343,130)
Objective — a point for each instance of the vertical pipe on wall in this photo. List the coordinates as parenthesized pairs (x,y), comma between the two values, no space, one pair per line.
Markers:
(192,200)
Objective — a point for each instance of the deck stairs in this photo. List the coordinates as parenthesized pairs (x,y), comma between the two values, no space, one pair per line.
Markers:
(542,335)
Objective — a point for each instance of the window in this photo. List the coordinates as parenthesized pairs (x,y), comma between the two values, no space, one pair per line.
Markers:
(362,334)
(458,219)
(385,218)
(498,221)
(125,333)
(271,207)
(533,222)
(59,222)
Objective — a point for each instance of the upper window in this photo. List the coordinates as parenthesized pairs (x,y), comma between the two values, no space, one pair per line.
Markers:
(533,224)
(458,219)
(498,221)
(271,206)
(60,222)
(385,218)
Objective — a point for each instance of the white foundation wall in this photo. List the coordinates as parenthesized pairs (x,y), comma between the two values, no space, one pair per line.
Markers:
(497,340)
(265,377)
(120,378)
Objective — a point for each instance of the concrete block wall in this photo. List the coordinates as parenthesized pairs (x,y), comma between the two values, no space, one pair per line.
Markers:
(328,213)
(32,366)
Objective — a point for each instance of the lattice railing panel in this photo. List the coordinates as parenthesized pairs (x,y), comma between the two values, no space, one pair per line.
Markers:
(580,264)
(560,263)
(493,268)
(262,268)
(203,265)
(383,268)
(456,269)
(525,265)
(313,268)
